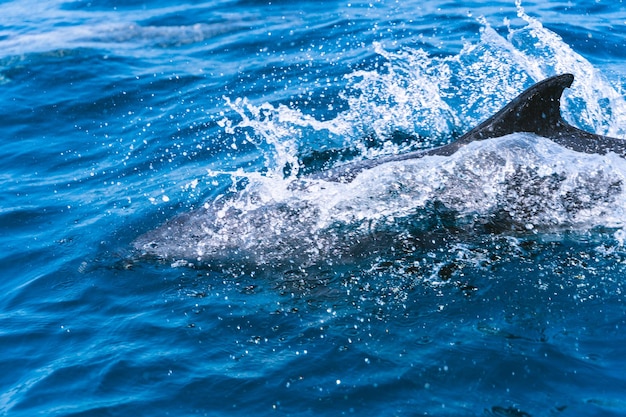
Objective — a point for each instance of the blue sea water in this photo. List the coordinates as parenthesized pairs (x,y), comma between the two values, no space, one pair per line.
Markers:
(119,117)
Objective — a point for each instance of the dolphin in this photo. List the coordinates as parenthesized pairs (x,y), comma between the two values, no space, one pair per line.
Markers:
(537,110)
(302,229)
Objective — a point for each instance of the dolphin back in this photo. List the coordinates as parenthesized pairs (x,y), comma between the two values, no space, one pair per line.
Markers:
(537,110)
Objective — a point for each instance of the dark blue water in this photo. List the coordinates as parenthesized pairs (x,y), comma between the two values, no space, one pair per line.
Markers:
(392,295)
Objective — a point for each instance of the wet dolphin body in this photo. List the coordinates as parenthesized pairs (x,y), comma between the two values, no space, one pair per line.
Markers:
(537,110)
(288,231)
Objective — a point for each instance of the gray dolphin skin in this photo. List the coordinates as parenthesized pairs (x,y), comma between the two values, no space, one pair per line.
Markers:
(288,231)
(537,110)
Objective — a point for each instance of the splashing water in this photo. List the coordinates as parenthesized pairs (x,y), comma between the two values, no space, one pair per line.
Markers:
(435,98)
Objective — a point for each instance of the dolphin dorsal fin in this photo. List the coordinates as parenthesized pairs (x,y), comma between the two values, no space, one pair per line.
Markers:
(536,110)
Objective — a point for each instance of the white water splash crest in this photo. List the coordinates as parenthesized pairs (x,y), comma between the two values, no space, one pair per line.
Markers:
(434,99)
(407,94)
(276,131)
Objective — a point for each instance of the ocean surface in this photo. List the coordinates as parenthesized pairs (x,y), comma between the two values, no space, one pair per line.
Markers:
(487,283)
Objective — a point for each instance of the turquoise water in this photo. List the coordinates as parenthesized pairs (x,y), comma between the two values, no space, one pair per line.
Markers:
(488,283)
